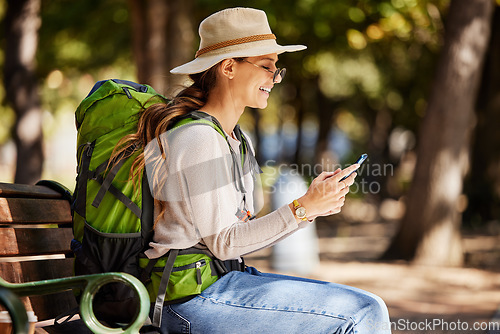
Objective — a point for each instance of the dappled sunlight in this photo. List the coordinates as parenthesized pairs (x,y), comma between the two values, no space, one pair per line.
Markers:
(55,79)
(340,76)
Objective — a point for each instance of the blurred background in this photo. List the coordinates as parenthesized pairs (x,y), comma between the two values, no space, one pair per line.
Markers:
(414,84)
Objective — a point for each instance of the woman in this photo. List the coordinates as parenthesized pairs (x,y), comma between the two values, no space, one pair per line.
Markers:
(191,170)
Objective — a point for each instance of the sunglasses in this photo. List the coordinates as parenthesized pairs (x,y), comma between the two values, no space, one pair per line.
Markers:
(280,72)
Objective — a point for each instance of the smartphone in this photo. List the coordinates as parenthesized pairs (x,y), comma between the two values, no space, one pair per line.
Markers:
(360,160)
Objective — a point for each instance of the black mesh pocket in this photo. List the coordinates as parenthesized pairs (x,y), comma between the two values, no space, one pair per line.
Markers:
(110,252)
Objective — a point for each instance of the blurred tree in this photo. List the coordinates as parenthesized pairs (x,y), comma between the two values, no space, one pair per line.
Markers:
(22,22)
(162,38)
(429,232)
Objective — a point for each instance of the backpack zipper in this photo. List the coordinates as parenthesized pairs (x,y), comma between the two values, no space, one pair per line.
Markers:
(198,272)
(195,265)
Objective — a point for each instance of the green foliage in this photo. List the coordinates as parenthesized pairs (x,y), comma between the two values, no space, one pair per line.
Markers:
(363,57)
(380,52)
(83,35)
(81,42)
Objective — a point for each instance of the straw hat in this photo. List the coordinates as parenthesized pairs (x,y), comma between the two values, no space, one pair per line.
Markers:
(231,33)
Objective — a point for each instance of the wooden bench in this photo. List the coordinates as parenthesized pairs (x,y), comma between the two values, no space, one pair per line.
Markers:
(35,235)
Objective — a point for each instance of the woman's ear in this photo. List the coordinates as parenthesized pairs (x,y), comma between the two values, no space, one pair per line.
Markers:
(227,68)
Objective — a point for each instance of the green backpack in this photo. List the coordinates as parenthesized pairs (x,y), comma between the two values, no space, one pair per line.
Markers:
(113,214)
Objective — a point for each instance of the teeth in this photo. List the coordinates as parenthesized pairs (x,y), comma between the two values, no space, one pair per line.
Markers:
(267,90)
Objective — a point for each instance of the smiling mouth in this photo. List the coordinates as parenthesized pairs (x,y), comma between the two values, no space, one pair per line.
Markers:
(264,89)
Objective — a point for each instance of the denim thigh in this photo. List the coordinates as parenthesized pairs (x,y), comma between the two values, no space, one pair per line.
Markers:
(254,302)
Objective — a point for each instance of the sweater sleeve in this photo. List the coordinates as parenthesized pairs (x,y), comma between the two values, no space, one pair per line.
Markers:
(203,166)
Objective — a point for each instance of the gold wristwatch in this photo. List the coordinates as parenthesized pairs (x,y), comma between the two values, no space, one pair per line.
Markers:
(300,211)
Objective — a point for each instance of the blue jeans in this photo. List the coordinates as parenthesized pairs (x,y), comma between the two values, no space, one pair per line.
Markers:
(254,302)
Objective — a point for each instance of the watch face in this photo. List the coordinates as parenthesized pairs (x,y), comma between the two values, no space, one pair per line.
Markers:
(300,212)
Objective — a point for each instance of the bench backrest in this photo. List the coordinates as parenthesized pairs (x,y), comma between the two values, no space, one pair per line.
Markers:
(35,236)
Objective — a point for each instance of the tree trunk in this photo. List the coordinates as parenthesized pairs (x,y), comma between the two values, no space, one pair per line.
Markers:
(162,38)
(22,22)
(430,230)
(380,122)
(326,112)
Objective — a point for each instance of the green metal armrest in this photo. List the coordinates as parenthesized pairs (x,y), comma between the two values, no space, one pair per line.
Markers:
(91,285)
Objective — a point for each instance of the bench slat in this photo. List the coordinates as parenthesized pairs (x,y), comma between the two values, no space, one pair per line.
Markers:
(29,271)
(34,241)
(26,190)
(30,210)
(47,269)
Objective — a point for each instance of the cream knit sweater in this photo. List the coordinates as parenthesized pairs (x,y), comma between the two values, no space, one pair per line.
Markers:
(196,184)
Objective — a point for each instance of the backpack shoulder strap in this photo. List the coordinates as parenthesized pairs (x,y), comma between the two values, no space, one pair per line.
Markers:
(247,153)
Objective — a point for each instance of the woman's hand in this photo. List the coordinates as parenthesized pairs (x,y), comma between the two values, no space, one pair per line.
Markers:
(326,194)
